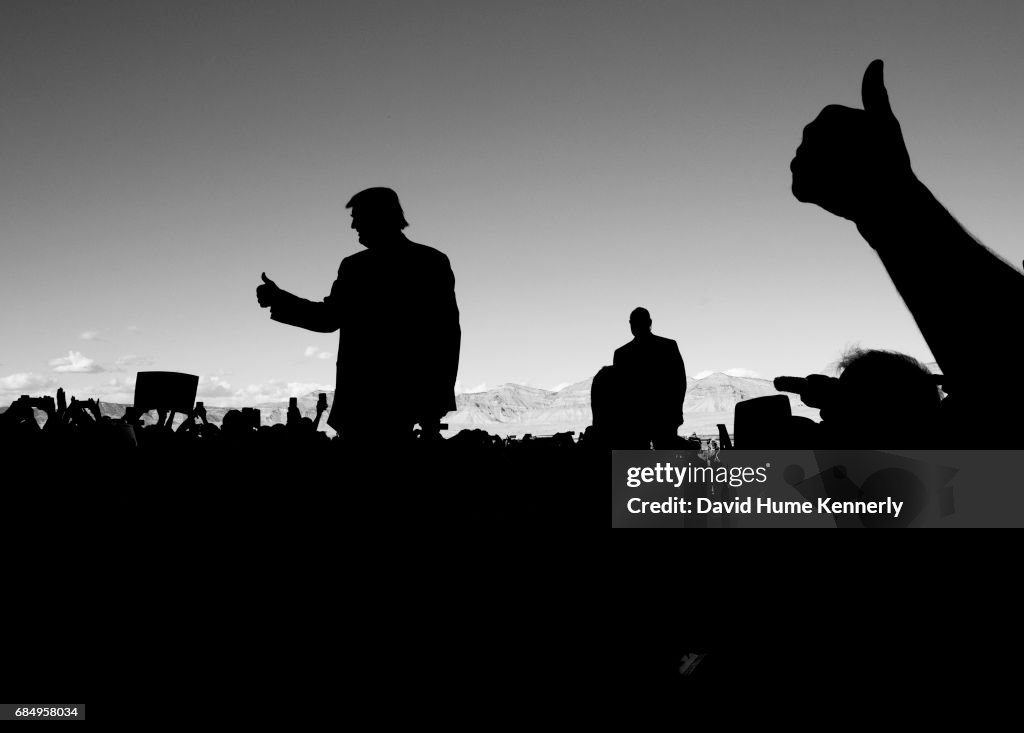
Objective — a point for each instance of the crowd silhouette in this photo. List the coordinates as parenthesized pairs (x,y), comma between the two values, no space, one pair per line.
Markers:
(395,307)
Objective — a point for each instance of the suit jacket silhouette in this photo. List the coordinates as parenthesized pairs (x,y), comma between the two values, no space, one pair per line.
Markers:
(651,368)
(398,350)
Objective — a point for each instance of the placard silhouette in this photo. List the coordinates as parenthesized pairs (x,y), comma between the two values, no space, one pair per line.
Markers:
(165,391)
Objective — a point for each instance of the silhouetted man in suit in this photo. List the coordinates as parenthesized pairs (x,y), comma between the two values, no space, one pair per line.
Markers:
(394,304)
(650,368)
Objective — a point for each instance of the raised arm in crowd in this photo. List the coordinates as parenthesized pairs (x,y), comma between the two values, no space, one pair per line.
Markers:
(965,299)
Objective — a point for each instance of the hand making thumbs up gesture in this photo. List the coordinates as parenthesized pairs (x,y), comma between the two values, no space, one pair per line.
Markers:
(267,293)
(852,162)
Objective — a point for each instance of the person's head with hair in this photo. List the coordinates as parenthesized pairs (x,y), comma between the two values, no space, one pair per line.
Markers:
(640,322)
(890,395)
(233,424)
(377,216)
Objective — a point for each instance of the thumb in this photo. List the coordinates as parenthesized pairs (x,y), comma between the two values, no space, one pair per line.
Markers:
(873,93)
(266,279)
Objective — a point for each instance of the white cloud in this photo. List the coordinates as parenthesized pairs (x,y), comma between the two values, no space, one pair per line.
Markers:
(213,387)
(315,351)
(115,389)
(89,336)
(122,389)
(75,362)
(482,387)
(25,383)
(131,361)
(276,390)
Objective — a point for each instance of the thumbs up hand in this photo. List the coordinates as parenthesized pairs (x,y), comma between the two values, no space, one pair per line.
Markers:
(886,127)
(267,293)
(853,163)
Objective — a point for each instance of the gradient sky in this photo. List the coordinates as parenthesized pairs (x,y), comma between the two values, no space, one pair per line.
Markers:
(573,159)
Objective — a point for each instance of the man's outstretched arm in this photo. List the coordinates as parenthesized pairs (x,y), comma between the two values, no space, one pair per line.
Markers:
(285,307)
(854,164)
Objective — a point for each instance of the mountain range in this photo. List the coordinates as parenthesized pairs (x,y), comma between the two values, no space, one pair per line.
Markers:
(515,409)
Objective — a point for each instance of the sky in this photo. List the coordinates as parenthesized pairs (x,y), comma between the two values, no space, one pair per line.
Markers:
(574,160)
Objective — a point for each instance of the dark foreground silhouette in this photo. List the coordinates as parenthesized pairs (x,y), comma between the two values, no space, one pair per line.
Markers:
(274,561)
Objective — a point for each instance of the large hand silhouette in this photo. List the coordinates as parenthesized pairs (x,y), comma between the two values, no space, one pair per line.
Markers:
(267,293)
(852,162)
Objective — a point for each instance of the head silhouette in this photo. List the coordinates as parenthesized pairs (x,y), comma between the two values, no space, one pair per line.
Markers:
(640,322)
(891,395)
(377,216)
(233,424)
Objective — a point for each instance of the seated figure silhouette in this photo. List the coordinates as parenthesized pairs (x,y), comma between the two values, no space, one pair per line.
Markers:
(854,163)
(394,304)
(649,369)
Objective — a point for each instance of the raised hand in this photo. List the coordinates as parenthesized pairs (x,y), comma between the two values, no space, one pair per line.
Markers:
(267,293)
(851,162)
(47,405)
(93,406)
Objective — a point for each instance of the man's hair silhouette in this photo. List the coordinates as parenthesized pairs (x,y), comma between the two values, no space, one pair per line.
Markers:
(379,203)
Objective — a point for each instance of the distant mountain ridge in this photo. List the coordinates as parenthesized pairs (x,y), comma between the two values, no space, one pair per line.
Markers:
(516,409)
